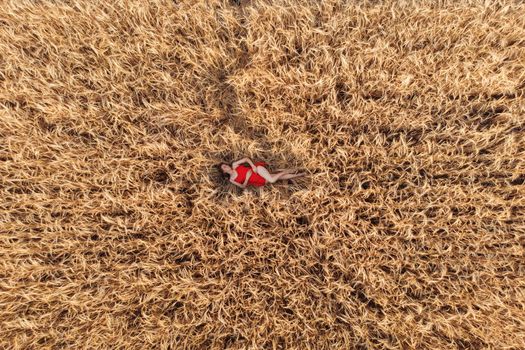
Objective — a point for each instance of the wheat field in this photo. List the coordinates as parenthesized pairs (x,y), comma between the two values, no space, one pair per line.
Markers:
(118,232)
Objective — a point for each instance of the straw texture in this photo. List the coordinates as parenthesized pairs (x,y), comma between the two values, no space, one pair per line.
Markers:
(117,232)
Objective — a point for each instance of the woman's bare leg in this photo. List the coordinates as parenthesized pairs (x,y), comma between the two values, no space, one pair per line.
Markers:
(287,170)
(290,176)
(272,178)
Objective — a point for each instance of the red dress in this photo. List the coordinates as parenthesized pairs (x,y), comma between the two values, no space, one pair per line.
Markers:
(254,180)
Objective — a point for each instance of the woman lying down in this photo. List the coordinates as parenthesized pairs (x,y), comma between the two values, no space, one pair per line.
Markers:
(255,174)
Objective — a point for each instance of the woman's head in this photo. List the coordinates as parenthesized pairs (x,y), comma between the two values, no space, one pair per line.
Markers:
(225,168)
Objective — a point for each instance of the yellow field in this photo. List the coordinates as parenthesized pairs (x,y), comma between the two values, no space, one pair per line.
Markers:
(117,231)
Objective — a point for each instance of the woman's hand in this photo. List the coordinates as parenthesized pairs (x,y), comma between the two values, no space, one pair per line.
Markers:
(245,160)
(253,166)
(245,184)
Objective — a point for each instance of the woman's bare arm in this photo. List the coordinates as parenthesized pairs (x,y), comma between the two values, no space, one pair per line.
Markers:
(245,184)
(237,184)
(245,160)
(248,174)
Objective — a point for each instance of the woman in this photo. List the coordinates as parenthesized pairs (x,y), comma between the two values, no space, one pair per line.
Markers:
(256,174)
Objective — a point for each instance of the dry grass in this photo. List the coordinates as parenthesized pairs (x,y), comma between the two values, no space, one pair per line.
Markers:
(116,232)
